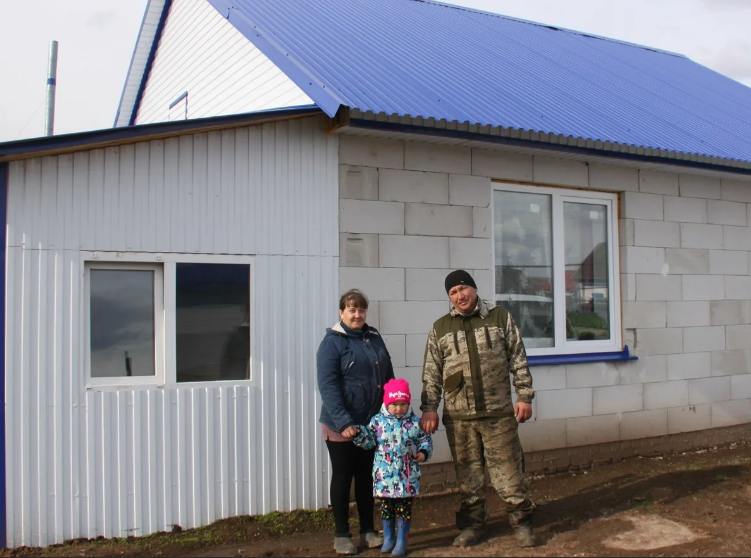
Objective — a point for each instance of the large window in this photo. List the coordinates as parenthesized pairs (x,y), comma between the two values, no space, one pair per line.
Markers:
(175,321)
(555,267)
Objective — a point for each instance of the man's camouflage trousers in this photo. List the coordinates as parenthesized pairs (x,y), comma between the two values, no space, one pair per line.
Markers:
(494,442)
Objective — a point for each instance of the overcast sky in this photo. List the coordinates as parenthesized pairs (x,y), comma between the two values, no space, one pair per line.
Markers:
(97,38)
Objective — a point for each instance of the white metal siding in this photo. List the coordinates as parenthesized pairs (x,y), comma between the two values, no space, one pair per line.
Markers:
(84,463)
(202,53)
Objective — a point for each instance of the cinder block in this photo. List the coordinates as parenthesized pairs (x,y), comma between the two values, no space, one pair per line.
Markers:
(485,283)
(727,213)
(657,233)
(416,346)
(638,259)
(358,250)
(658,287)
(668,341)
(396,346)
(441,450)
(482,222)
(666,394)
(701,236)
(728,262)
(360,216)
(699,187)
(469,190)
(371,152)
(740,386)
(566,403)
(737,337)
(709,390)
(427,284)
(502,165)
(546,378)
(644,314)
(413,251)
(683,261)
(614,178)
(564,172)
(358,183)
(690,418)
(437,220)
(731,363)
(729,413)
(688,313)
(729,312)
(414,378)
(376,283)
(644,424)
(738,287)
(374,315)
(647,369)
(703,287)
(587,431)
(703,339)
(736,238)
(409,317)
(543,435)
(690,365)
(617,399)
(736,190)
(591,375)
(413,186)
(469,253)
(626,232)
(641,206)
(685,210)
(628,287)
(663,183)
(437,158)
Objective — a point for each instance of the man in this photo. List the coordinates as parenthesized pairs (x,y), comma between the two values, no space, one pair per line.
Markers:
(468,358)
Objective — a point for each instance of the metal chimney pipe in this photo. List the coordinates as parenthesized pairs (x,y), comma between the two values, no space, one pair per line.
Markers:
(49,121)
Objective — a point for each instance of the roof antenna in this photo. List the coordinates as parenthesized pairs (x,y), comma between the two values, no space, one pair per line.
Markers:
(49,120)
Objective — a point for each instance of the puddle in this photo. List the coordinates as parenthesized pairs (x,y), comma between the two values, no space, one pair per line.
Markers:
(651,532)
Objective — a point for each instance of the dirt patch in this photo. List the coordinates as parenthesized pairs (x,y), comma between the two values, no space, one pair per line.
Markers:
(651,532)
(705,495)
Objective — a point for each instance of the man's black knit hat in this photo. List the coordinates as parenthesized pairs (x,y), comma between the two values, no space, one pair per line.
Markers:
(459,277)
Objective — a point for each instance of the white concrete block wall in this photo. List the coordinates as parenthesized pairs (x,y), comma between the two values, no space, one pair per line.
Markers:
(685,284)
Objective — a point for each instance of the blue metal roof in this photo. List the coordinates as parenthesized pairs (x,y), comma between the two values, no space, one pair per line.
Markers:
(432,60)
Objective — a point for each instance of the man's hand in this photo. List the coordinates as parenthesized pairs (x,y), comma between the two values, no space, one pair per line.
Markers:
(350,432)
(429,422)
(420,457)
(522,411)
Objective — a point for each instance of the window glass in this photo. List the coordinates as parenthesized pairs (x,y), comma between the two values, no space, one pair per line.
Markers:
(587,277)
(212,322)
(121,323)
(524,264)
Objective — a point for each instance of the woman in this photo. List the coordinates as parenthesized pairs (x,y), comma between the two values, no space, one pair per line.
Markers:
(353,367)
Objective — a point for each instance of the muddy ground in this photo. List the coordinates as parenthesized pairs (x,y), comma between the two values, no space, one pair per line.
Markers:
(690,504)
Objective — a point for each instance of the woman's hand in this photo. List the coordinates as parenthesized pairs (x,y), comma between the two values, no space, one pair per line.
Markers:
(350,432)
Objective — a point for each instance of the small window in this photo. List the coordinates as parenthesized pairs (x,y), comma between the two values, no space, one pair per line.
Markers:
(125,310)
(212,322)
(555,269)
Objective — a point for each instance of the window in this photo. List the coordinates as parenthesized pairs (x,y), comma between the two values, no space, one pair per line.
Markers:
(171,322)
(555,267)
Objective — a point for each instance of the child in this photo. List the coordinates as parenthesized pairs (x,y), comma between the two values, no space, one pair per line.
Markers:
(400,448)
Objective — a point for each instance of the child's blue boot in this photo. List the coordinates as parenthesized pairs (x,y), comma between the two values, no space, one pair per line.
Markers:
(389,539)
(402,528)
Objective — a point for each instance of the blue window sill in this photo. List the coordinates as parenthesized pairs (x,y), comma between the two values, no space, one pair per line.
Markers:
(551,360)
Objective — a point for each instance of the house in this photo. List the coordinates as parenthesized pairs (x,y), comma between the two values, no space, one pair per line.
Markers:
(168,280)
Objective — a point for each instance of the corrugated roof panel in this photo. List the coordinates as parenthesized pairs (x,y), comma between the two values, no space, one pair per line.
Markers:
(422,58)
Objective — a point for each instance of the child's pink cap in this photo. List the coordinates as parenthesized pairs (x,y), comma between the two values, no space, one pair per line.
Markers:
(396,390)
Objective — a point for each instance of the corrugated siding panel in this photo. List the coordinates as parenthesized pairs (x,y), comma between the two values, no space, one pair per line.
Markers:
(202,53)
(88,463)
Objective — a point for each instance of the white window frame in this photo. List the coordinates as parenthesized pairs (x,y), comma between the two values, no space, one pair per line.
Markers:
(165,326)
(560,195)
(158,377)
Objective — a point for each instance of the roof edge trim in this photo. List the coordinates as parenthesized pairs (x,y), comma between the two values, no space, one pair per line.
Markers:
(535,140)
(326,99)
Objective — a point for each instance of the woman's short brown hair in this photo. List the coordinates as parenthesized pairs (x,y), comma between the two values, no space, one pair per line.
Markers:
(355,298)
